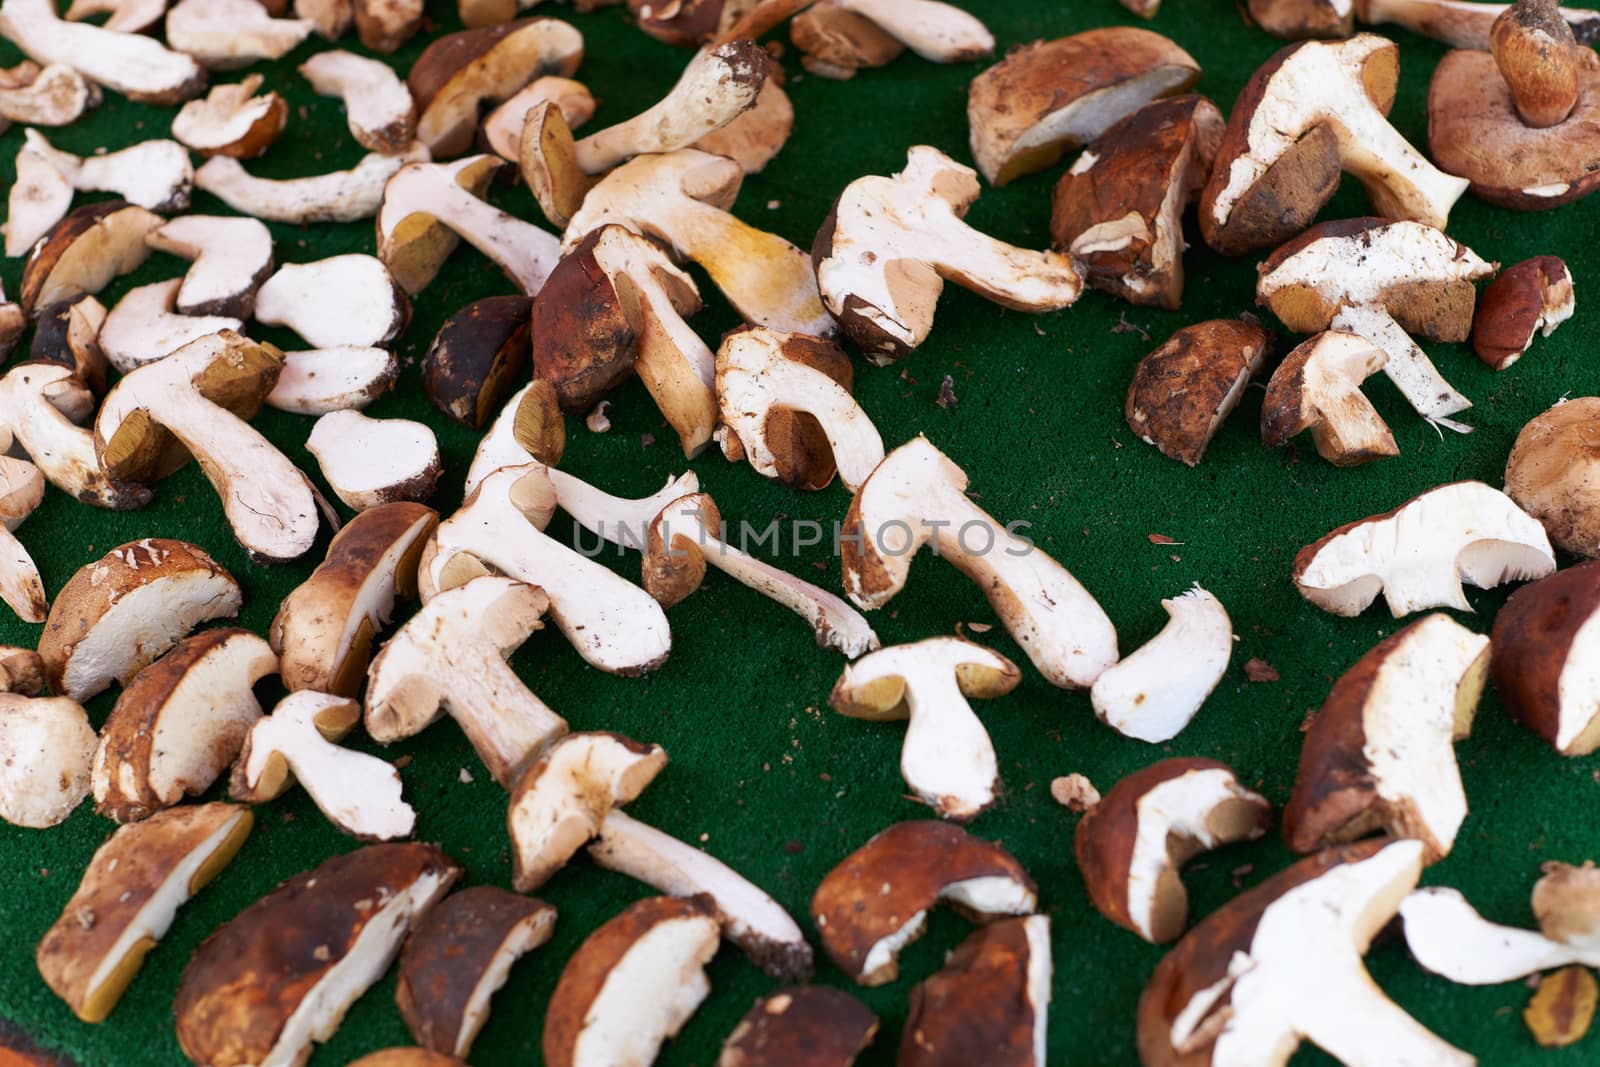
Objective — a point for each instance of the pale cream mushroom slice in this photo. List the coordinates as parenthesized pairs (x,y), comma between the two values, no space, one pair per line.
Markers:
(122,612)
(1419,554)
(759,134)
(1544,662)
(385,25)
(1528,298)
(40,197)
(229,259)
(55,95)
(331,18)
(502,130)
(337,196)
(1153,692)
(21,671)
(1131,846)
(1281,964)
(154,175)
(377,104)
(235,120)
(13,324)
(947,758)
(36,400)
(46,744)
(885,251)
(67,333)
(127,16)
(85,252)
(229,34)
(139,67)
(145,327)
(1551,474)
(800,1026)
(1183,390)
(1383,280)
(370,462)
(993,991)
(1462,23)
(917,497)
(128,898)
(343,300)
(450,658)
(1317,387)
(345,378)
(838,37)
(280,975)
(21,588)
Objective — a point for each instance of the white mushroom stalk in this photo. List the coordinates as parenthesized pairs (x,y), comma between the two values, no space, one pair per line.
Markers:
(34,401)
(143,327)
(1154,692)
(127,16)
(21,490)
(228,34)
(230,258)
(138,67)
(1461,23)
(938,32)
(1448,937)
(55,95)
(339,196)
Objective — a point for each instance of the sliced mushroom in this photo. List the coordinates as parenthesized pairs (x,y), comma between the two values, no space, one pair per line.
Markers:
(1154,692)
(993,993)
(1545,650)
(385,25)
(1296,20)
(331,19)
(1447,936)
(839,37)
(835,42)
(21,490)
(502,130)
(370,462)
(757,135)
(1317,387)
(229,34)
(138,67)
(232,120)
(55,95)
(342,300)
(21,671)
(127,16)
(1549,474)
(801,1026)
(128,898)
(338,196)
(68,334)
(1181,392)
(477,358)
(35,402)
(377,104)
(230,258)
(333,379)
(46,744)
(406,1057)
(884,252)
(40,197)
(144,328)
(1534,296)
(85,251)
(152,174)
(1461,23)
(13,323)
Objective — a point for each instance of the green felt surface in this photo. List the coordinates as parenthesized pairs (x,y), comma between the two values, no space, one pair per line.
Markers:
(762,772)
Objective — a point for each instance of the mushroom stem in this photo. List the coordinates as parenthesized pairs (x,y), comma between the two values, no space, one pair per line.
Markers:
(1462,23)
(946,749)
(741,259)
(20,585)
(32,398)
(521,249)
(939,33)
(1408,366)
(623,521)
(1375,1029)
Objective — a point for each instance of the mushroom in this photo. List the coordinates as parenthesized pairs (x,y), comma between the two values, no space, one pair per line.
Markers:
(85,251)
(801,1026)
(1534,296)
(138,67)
(917,496)
(1119,209)
(1381,280)
(230,258)
(35,402)
(461,76)
(1539,59)
(229,34)
(152,174)
(1132,845)
(21,671)
(385,25)
(1314,109)
(1551,474)
(67,334)
(502,130)
(122,612)
(179,723)
(338,196)
(1317,387)
(632,984)
(459,955)
(324,629)
(360,794)
(885,250)
(427,207)
(1419,554)
(693,23)
(377,104)
(1046,98)
(947,759)
(450,657)
(1296,20)
(477,357)
(1461,23)
(40,197)
(128,898)
(343,378)
(342,300)
(683,198)
(1281,963)
(127,16)
(835,42)
(370,462)
(993,993)
(281,974)
(331,19)
(144,328)
(405,1057)
(55,95)
(46,744)
(21,490)
(838,37)
(1181,392)
(757,135)
(785,405)
(1153,692)
(13,323)
(1543,654)
(232,120)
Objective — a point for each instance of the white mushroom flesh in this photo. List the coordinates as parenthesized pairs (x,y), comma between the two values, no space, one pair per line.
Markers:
(344,300)
(374,461)
(333,379)
(46,744)
(1448,937)
(339,196)
(648,994)
(143,327)
(1154,692)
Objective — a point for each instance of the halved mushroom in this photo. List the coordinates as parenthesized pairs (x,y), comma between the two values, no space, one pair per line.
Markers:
(144,328)
(36,400)
(1545,650)
(230,259)
(1462,23)
(1048,97)
(459,955)
(1181,392)
(838,37)
(179,724)
(1534,296)
(152,174)
(121,613)
(338,196)
(370,462)
(138,67)
(128,897)
(40,197)
(21,671)
(85,251)
(377,104)
(1153,692)
(342,300)
(1550,474)
(477,357)
(876,901)
(1132,845)
(801,1026)
(1317,387)
(886,249)
(127,16)
(281,974)
(917,496)
(385,25)
(757,135)
(1419,554)
(229,34)
(56,95)
(993,993)
(232,120)
(21,490)
(835,42)
(502,130)
(68,334)
(46,744)
(333,379)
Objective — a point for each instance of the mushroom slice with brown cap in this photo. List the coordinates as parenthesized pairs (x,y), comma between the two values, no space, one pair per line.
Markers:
(1546,658)
(229,34)
(46,744)
(338,196)
(1317,387)
(947,759)
(67,334)
(179,723)
(1132,845)
(331,18)
(138,67)
(835,43)
(370,462)
(232,120)
(122,612)
(1282,963)
(13,323)
(21,671)
(1552,474)
(377,104)
(144,328)
(56,95)
(342,300)
(1534,296)
(1296,20)
(85,251)
(838,37)
(450,657)
(632,984)
(385,25)
(360,794)
(1155,691)
(1462,23)
(344,378)
(993,993)
(281,974)
(21,490)
(917,496)
(230,258)
(35,402)
(785,405)
(324,629)
(1419,554)
(1048,97)
(1382,280)
(129,896)
(127,16)
(801,1026)
(459,955)
(1181,392)
(477,357)
(885,251)
(502,130)
(757,135)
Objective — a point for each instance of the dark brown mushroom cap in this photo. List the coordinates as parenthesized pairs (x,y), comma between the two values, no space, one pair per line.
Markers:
(801,1026)
(1513,306)
(67,333)
(406,1057)
(448,953)
(800,447)
(977,1008)
(84,251)
(1295,20)
(1183,390)
(1531,645)
(478,357)
(686,23)
(582,341)
(671,572)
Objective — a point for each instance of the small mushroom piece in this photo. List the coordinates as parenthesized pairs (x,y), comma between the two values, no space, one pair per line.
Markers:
(40,197)
(85,251)
(917,497)
(232,120)
(370,462)
(377,104)
(835,43)
(632,984)
(229,34)
(1551,471)
(1154,692)
(757,135)
(838,37)
(385,25)
(338,196)
(46,744)
(1419,554)
(230,258)
(1046,98)
(333,379)
(947,759)
(1448,937)
(502,130)
(1182,392)
(1534,296)
(21,490)
(993,993)
(179,723)
(127,16)
(876,901)
(121,613)
(13,324)
(138,67)
(885,251)
(1462,23)
(128,898)
(68,334)
(342,300)
(1119,208)
(1546,643)
(35,402)
(785,405)
(1317,387)
(406,1057)
(56,95)
(459,955)
(477,358)
(1539,59)
(1132,845)
(21,671)
(693,23)
(331,19)
(144,328)
(281,974)
(1296,20)
(801,1026)
(1282,963)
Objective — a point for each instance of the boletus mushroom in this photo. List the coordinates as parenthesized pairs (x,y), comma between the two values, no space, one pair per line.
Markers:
(1153,692)
(1182,391)
(84,252)
(801,1026)
(371,462)
(1546,643)
(139,67)
(229,34)
(477,357)
(237,121)
(21,588)
(1317,387)
(1534,296)
(1551,474)
(230,259)
(378,106)
(46,745)
(145,327)
(839,37)
(39,405)
(337,196)
(342,378)
(343,300)
(67,334)
(1463,23)
(990,1000)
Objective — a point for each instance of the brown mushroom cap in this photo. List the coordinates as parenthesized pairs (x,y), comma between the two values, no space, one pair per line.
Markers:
(21,671)
(1546,630)
(1183,390)
(1317,387)
(477,358)
(987,1004)
(67,333)
(85,251)
(1553,474)
(688,23)
(582,340)
(1297,19)
(1526,298)
(406,1057)
(836,43)
(46,746)
(1566,901)
(800,1026)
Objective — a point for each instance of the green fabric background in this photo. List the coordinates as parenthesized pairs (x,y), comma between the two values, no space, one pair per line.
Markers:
(772,781)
